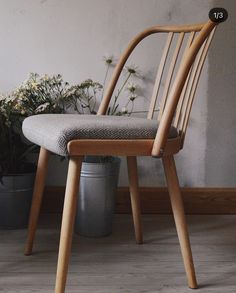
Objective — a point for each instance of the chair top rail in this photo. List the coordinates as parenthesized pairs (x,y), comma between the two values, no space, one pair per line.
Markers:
(199,33)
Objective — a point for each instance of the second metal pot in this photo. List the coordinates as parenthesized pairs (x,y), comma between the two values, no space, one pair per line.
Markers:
(96,201)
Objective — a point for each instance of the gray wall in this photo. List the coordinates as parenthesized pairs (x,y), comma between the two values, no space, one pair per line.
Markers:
(71,36)
(220,164)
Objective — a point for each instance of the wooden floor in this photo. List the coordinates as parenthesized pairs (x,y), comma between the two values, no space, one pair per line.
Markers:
(116,264)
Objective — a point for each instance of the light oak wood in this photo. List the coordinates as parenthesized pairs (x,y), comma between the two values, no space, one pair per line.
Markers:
(201,61)
(168,114)
(37,198)
(180,220)
(171,104)
(159,76)
(191,79)
(189,96)
(161,146)
(119,147)
(182,96)
(153,30)
(135,198)
(170,74)
(69,211)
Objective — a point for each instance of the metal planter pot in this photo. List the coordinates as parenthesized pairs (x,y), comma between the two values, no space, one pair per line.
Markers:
(15,200)
(98,186)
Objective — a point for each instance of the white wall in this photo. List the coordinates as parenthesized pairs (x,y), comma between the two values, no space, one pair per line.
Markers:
(71,36)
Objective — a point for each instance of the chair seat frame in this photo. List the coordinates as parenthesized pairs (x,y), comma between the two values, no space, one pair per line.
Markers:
(120,147)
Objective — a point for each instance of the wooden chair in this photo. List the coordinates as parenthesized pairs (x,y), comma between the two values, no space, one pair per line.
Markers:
(181,79)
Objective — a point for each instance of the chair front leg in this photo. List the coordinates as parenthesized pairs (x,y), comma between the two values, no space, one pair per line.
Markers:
(135,197)
(39,185)
(68,218)
(180,219)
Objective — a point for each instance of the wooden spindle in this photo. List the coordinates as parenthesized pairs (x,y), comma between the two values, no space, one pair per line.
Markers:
(159,75)
(170,74)
(182,97)
(200,64)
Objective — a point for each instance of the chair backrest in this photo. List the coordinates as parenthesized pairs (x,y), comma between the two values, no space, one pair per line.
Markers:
(177,77)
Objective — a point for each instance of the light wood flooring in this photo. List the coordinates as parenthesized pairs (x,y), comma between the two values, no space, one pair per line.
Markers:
(116,264)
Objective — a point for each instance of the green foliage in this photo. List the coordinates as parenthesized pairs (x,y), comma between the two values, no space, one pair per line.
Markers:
(50,94)
(12,148)
(83,97)
(36,95)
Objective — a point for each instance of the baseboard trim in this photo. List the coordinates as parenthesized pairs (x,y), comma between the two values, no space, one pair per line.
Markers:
(155,200)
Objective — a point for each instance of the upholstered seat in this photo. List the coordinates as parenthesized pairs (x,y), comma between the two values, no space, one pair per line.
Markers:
(54,131)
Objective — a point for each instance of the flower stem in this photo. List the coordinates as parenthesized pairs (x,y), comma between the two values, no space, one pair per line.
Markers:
(105,79)
(119,92)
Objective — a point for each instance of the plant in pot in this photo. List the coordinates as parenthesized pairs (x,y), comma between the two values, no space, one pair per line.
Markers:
(36,95)
(99,174)
(50,94)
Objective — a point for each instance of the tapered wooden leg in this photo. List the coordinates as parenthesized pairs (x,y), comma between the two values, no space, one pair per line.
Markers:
(180,220)
(135,198)
(37,198)
(68,219)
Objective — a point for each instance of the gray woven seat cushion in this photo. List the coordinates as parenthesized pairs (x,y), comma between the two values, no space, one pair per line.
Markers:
(54,131)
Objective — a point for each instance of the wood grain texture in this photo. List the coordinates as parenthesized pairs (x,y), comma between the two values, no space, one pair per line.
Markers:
(39,185)
(177,87)
(161,146)
(180,219)
(155,200)
(170,74)
(132,45)
(120,147)
(200,63)
(116,264)
(68,218)
(135,198)
(159,76)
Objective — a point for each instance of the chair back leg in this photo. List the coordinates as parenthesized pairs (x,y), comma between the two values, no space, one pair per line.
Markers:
(135,198)
(180,219)
(37,198)
(68,218)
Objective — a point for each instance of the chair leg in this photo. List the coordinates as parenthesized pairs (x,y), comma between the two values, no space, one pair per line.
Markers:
(68,219)
(37,198)
(180,220)
(135,198)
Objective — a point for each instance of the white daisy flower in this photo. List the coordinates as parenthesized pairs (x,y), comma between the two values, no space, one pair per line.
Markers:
(132,87)
(124,110)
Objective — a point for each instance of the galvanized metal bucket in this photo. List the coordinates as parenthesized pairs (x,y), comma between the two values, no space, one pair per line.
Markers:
(96,201)
(15,200)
